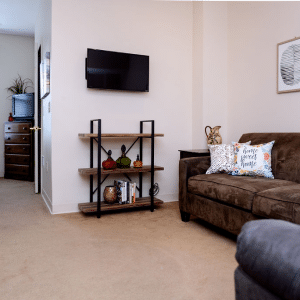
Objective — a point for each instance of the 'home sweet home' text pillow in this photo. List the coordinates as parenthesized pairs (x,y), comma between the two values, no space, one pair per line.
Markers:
(253,160)
(222,158)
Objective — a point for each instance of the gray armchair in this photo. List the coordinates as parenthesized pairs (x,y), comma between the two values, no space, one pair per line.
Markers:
(268,253)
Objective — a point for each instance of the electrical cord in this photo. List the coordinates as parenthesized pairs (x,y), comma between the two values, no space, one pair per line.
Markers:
(155,189)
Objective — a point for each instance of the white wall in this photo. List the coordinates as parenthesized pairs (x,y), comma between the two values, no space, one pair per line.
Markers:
(162,30)
(209,70)
(16,57)
(235,48)
(43,40)
(254,29)
(211,63)
(215,66)
(198,140)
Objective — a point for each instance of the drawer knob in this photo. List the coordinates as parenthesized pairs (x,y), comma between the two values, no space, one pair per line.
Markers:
(8,128)
(24,148)
(24,138)
(24,128)
(8,148)
(8,138)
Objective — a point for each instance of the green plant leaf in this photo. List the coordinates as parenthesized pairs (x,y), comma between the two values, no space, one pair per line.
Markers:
(19,86)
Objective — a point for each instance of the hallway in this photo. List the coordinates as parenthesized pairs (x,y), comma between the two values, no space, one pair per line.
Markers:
(19,205)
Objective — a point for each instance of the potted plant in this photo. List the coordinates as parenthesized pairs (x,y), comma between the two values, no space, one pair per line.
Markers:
(19,86)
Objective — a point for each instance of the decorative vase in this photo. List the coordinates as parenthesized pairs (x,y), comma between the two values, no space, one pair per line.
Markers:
(213,137)
(123,162)
(138,163)
(110,194)
(109,164)
(10,118)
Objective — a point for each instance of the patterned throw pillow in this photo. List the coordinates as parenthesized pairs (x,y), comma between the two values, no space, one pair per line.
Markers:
(253,160)
(222,158)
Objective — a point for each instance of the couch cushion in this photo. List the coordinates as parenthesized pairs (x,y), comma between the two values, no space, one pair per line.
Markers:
(279,203)
(235,190)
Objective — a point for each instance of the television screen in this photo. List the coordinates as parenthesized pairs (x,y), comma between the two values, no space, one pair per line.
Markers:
(117,71)
(23,106)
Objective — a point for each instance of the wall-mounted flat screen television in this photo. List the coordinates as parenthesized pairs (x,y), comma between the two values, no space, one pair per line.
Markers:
(117,71)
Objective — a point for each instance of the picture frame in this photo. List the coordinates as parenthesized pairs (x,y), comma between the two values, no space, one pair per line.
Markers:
(288,66)
(45,75)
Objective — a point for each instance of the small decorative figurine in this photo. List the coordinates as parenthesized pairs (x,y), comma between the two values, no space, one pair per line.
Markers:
(123,162)
(138,163)
(10,118)
(109,164)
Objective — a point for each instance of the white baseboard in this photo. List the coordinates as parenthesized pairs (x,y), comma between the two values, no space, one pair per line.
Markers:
(47,200)
(65,208)
(168,197)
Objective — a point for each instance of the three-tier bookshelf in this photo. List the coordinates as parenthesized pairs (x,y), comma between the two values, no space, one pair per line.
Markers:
(101,206)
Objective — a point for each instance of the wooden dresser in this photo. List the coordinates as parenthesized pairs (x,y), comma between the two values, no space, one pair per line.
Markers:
(18,150)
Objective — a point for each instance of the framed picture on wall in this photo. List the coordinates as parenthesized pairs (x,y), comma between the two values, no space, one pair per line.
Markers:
(288,66)
(45,75)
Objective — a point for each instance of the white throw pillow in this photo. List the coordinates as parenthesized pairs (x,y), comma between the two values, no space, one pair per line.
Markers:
(253,160)
(222,158)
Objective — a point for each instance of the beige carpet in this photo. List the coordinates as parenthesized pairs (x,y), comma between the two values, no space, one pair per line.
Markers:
(133,255)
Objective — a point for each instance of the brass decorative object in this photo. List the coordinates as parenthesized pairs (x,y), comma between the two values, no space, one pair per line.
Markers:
(110,194)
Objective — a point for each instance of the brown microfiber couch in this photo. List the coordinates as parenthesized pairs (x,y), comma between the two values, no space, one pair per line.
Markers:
(230,201)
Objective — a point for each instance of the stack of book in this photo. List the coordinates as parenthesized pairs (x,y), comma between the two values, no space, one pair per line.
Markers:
(125,191)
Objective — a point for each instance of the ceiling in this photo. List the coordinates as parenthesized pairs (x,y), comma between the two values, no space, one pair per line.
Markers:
(18,16)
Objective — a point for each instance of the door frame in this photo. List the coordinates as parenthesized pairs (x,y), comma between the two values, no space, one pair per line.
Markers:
(38,123)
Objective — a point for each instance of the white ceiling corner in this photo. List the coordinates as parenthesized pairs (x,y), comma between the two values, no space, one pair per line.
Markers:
(18,17)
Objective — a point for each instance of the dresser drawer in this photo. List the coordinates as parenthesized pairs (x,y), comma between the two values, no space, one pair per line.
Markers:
(17,159)
(18,143)
(17,149)
(14,138)
(17,169)
(17,127)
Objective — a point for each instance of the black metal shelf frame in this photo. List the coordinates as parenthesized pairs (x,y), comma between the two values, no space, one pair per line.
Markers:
(99,182)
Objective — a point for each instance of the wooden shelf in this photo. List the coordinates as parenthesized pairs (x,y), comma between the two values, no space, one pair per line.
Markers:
(94,171)
(119,135)
(91,207)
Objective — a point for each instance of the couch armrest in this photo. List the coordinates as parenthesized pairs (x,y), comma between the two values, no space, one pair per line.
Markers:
(190,167)
(269,252)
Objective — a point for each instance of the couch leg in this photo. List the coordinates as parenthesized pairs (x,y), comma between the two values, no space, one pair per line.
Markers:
(185,217)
